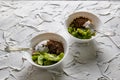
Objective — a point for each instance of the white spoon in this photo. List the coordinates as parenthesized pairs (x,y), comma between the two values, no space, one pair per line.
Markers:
(38,47)
(89,25)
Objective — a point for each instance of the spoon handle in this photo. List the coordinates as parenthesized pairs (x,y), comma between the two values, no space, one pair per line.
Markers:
(9,49)
(107,33)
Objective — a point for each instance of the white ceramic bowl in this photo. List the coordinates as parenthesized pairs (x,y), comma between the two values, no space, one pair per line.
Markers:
(95,21)
(48,36)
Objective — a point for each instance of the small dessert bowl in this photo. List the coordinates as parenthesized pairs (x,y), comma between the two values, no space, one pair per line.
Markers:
(82,26)
(45,37)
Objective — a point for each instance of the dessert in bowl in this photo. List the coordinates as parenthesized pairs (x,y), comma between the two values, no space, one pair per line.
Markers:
(83,26)
(48,50)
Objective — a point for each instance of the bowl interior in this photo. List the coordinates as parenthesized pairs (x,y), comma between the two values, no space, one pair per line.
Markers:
(47,36)
(95,20)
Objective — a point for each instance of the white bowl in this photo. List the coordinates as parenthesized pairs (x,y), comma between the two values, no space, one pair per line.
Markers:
(48,36)
(95,21)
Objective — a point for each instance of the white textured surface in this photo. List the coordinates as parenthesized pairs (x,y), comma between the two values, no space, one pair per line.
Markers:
(20,21)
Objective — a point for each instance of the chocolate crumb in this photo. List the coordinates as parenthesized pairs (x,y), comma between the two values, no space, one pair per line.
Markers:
(79,22)
(55,47)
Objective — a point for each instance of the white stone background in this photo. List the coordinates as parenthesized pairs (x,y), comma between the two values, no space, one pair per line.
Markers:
(22,20)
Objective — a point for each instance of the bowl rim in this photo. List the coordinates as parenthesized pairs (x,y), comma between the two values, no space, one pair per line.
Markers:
(65,50)
(78,12)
